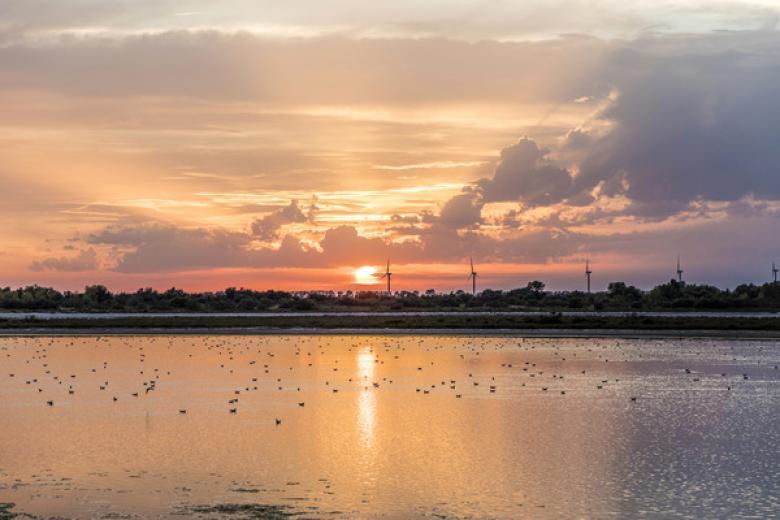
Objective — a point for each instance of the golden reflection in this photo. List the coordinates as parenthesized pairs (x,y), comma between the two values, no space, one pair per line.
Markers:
(518,452)
(366,416)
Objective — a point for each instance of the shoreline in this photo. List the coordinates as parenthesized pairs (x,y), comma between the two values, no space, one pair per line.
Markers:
(451,324)
(417,322)
(583,333)
(12,315)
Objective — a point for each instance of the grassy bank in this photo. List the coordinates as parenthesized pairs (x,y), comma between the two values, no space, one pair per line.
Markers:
(453,322)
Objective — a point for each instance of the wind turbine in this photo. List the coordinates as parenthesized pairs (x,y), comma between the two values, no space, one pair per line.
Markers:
(387,275)
(473,278)
(679,270)
(774,272)
(588,272)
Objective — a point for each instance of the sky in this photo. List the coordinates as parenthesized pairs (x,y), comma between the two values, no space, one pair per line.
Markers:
(285,145)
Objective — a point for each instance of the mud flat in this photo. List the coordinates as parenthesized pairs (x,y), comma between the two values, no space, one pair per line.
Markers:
(546,325)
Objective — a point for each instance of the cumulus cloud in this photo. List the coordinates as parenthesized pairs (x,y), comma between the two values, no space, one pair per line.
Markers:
(404,219)
(702,125)
(686,125)
(690,133)
(525,174)
(577,138)
(462,210)
(267,228)
(86,260)
(164,247)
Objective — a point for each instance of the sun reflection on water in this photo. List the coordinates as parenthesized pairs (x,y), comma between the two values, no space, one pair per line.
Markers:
(366,417)
(582,448)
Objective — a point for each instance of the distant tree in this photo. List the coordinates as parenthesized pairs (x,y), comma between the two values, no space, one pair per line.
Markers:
(97,294)
(618,296)
(623,291)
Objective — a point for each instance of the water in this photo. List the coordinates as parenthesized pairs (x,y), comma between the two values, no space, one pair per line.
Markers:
(394,440)
(6,315)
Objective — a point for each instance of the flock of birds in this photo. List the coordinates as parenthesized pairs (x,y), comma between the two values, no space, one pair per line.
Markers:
(58,368)
(278,387)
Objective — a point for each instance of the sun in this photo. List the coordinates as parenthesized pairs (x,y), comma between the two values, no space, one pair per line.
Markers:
(365,275)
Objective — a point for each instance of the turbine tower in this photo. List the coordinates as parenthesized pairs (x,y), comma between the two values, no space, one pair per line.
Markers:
(387,275)
(473,278)
(679,270)
(588,272)
(774,273)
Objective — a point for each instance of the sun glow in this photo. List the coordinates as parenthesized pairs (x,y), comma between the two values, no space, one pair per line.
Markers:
(366,275)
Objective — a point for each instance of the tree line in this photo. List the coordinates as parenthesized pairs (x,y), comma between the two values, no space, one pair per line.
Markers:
(534,296)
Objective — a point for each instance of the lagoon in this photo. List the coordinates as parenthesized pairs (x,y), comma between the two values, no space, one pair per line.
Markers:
(370,426)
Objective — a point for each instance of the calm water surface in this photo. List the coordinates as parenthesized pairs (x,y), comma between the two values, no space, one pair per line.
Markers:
(6,315)
(389,426)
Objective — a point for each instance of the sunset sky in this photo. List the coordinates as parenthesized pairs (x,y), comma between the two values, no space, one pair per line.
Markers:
(284,145)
